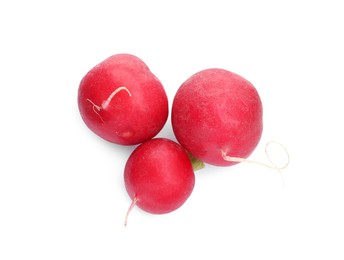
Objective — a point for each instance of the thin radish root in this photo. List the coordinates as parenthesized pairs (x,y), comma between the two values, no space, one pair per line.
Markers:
(272,165)
(105,104)
(271,161)
(96,109)
(132,205)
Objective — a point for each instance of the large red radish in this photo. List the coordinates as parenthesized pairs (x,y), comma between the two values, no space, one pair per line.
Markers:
(217,116)
(122,101)
(158,176)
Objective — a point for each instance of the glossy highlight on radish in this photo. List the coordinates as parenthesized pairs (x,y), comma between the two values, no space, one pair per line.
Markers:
(122,101)
(217,115)
(158,176)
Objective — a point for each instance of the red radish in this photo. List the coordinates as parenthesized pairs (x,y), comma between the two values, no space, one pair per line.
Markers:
(217,116)
(158,176)
(122,101)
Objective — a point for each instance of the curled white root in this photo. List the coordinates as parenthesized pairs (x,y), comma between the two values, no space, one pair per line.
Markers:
(105,104)
(272,165)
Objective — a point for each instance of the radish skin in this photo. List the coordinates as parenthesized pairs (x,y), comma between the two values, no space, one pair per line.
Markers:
(158,176)
(216,115)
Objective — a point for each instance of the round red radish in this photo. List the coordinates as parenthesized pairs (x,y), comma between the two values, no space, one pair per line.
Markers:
(158,176)
(217,115)
(122,101)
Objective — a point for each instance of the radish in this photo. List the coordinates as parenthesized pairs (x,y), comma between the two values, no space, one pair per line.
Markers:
(158,176)
(217,117)
(122,101)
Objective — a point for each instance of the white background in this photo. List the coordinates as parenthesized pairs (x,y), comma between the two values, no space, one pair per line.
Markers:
(61,187)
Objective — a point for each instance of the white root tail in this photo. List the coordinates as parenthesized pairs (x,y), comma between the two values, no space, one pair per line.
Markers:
(132,205)
(105,104)
(272,165)
(96,109)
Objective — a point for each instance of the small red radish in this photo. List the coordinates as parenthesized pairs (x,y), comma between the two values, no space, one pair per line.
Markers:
(217,116)
(122,101)
(158,176)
